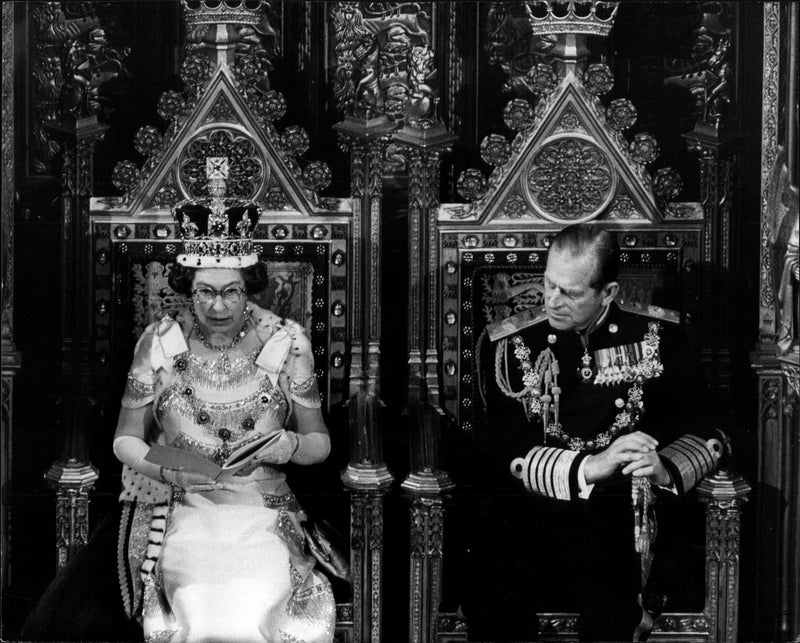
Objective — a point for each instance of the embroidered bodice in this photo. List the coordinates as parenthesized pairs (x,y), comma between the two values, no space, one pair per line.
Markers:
(212,404)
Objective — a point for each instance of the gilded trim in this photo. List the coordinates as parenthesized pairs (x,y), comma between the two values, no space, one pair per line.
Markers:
(769,151)
(691,457)
(547,472)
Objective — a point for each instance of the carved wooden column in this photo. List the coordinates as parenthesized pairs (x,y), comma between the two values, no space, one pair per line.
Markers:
(366,475)
(72,481)
(423,143)
(717,158)
(426,486)
(73,476)
(10,361)
(366,138)
(776,359)
(724,493)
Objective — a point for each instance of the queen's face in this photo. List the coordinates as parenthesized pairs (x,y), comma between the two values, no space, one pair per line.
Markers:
(219,316)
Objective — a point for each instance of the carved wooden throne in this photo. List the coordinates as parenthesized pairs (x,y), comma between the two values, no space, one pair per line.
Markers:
(571,162)
(226,110)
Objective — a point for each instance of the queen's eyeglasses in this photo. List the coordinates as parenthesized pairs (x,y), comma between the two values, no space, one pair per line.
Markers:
(207,295)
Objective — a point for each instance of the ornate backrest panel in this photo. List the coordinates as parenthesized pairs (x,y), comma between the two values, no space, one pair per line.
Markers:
(568,163)
(307,282)
(226,112)
(490,275)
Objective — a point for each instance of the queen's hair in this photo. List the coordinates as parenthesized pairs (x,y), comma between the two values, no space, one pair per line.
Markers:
(181,277)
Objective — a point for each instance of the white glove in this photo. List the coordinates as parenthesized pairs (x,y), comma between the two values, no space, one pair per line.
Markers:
(302,448)
(279,451)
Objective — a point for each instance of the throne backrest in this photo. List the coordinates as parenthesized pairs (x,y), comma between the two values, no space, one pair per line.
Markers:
(307,283)
(489,274)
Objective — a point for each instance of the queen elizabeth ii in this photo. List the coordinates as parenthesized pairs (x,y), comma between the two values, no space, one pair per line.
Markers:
(222,560)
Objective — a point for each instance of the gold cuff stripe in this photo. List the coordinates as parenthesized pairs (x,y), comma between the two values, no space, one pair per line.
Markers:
(548,472)
(692,458)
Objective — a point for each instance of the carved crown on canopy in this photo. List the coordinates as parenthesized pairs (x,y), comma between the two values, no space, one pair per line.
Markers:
(225,109)
(570,160)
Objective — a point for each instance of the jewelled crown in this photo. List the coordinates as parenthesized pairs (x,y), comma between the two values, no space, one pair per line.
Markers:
(217,232)
(214,12)
(588,17)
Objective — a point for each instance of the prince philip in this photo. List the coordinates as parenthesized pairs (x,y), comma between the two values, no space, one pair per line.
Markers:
(592,407)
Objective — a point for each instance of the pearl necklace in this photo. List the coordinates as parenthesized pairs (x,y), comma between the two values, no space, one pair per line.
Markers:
(224,348)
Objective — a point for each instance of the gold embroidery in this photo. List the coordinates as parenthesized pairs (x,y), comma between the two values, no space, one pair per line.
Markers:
(155,602)
(219,374)
(159,636)
(286,501)
(307,391)
(136,391)
(289,531)
(309,601)
(217,453)
(237,417)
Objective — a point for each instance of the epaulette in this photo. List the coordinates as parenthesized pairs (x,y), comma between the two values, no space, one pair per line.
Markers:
(515,323)
(664,314)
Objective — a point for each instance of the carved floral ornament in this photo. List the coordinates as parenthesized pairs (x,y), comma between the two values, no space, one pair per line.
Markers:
(552,188)
(570,179)
(247,166)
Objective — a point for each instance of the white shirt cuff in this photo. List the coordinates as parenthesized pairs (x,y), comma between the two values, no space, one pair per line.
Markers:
(584,489)
(669,487)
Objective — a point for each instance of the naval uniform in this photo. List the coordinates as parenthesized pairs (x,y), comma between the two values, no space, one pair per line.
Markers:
(544,540)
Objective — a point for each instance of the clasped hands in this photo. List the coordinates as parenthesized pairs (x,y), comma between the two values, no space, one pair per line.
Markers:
(277,452)
(635,453)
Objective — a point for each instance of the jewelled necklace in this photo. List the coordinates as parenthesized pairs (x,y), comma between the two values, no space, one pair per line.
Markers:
(224,348)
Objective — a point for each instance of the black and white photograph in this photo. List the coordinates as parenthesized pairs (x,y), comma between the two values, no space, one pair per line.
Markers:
(454,321)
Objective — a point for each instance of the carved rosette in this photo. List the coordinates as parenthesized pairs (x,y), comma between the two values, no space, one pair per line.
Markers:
(570,179)
(644,148)
(622,208)
(195,71)
(472,184)
(598,79)
(518,114)
(570,121)
(667,183)
(495,150)
(295,140)
(542,79)
(248,168)
(147,140)
(171,105)
(125,175)
(621,114)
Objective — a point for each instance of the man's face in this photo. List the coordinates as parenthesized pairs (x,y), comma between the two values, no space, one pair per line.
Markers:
(570,301)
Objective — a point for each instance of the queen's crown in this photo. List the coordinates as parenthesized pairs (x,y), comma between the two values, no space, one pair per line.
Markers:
(217,232)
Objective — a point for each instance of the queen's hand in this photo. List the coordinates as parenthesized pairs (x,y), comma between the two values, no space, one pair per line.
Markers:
(279,451)
(190,482)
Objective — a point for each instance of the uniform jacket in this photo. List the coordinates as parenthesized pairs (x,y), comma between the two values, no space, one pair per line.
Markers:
(671,405)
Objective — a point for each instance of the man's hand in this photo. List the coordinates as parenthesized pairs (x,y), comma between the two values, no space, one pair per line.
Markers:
(651,466)
(621,452)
